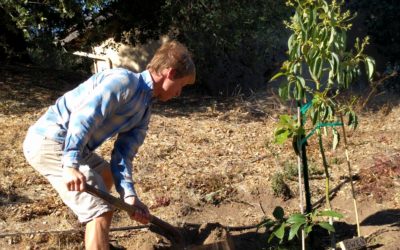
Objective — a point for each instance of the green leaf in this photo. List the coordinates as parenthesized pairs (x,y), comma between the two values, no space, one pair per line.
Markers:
(370,67)
(276,76)
(314,116)
(282,135)
(267,223)
(278,213)
(317,69)
(325,35)
(301,81)
(340,78)
(294,229)
(294,53)
(326,226)
(324,112)
(280,232)
(286,120)
(330,213)
(308,229)
(336,61)
(345,80)
(353,120)
(316,34)
(332,37)
(271,236)
(290,42)
(313,15)
(283,92)
(297,68)
(331,111)
(296,218)
(299,91)
(300,21)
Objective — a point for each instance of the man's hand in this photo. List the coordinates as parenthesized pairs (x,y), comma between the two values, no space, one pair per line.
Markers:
(74,179)
(142,215)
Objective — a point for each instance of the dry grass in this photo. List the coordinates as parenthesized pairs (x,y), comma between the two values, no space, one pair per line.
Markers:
(204,160)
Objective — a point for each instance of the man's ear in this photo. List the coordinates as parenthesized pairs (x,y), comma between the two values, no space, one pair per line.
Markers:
(171,73)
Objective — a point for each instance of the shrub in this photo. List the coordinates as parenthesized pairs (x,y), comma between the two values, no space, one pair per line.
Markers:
(279,186)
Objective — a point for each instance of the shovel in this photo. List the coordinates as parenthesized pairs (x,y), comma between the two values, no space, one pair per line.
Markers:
(156,224)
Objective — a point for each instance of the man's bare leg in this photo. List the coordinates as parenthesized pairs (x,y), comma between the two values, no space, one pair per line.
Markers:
(97,232)
(107,178)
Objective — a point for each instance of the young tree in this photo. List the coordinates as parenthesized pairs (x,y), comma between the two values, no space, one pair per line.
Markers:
(320,67)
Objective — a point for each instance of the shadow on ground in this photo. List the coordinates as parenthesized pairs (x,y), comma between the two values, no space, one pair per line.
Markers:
(385,217)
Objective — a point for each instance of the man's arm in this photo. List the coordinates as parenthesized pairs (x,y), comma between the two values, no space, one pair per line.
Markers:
(84,120)
(89,114)
(125,149)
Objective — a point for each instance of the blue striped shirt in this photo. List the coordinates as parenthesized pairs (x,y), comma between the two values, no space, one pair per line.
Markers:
(112,102)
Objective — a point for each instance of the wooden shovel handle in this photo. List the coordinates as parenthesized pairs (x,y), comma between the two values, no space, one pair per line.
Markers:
(163,225)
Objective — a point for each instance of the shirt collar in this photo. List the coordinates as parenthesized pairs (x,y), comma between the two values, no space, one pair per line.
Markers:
(147,79)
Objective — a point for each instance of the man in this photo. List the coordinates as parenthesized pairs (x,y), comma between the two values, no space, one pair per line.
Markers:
(61,144)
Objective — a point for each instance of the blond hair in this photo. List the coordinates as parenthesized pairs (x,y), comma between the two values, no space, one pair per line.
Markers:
(174,55)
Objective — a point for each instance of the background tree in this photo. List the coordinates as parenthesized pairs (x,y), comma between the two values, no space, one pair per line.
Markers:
(234,42)
(12,42)
(41,24)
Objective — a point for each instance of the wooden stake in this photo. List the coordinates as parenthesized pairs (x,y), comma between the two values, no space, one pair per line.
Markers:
(351,178)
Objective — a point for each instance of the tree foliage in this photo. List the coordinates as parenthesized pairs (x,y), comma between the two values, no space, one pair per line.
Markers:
(50,28)
(234,42)
(12,41)
(320,67)
(50,17)
(39,24)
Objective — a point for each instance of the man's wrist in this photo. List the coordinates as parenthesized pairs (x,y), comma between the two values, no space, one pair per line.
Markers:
(75,166)
(129,196)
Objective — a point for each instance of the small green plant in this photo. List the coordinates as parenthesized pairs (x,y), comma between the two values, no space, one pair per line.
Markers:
(319,68)
(318,44)
(291,172)
(286,228)
(279,186)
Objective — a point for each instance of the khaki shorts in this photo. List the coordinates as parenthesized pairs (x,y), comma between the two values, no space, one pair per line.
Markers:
(45,155)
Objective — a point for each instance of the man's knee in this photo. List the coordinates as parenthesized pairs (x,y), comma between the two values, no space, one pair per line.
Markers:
(103,220)
(105,217)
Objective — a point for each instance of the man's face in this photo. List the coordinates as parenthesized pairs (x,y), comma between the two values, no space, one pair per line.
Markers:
(171,88)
